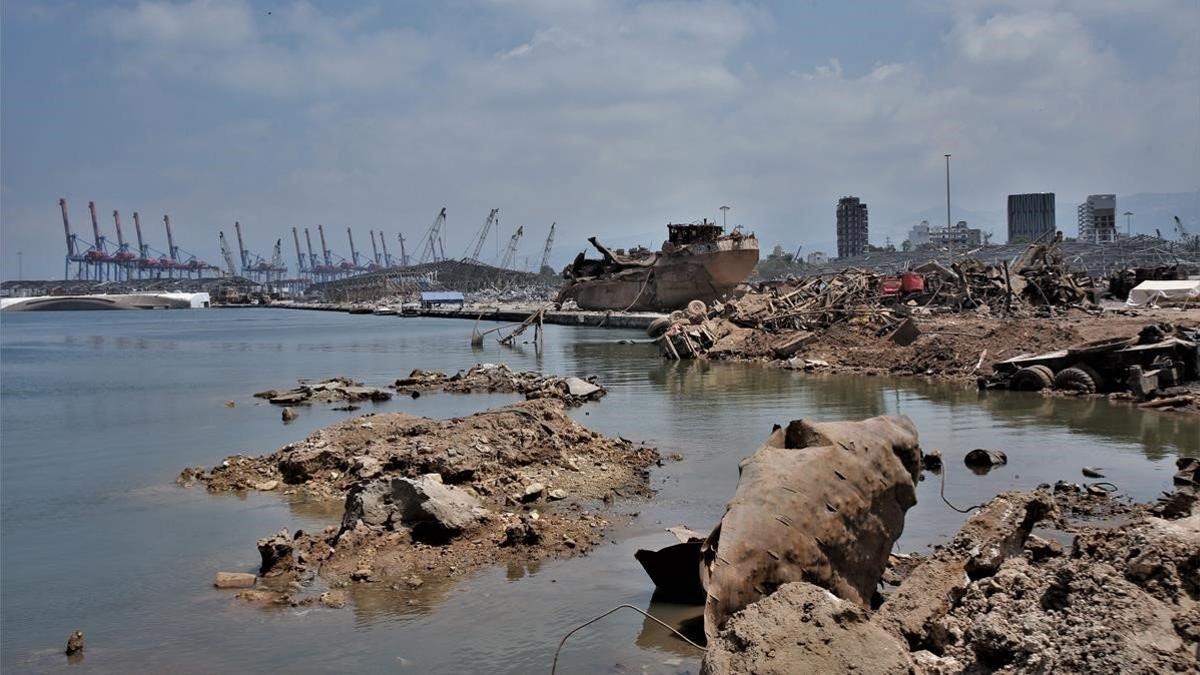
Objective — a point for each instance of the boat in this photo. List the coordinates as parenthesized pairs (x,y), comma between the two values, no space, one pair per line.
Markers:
(698,261)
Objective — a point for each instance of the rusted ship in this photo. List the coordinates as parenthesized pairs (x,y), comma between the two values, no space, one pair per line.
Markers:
(698,261)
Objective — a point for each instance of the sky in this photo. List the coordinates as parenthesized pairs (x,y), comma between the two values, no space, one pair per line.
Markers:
(609,118)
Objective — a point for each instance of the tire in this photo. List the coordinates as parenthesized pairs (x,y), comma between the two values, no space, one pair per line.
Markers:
(658,327)
(1075,379)
(1032,378)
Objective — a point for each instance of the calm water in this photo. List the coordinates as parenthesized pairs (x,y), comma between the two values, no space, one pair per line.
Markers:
(99,412)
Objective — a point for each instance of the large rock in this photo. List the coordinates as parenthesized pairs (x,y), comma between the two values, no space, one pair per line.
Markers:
(278,555)
(801,628)
(819,502)
(426,505)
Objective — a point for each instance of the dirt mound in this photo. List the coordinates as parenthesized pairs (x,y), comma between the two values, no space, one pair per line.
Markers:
(441,497)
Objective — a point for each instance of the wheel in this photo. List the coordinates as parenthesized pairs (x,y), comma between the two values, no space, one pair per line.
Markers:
(1075,379)
(658,326)
(1032,378)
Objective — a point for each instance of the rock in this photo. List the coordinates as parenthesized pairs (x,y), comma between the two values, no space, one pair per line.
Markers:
(1042,549)
(75,643)
(580,387)
(263,597)
(234,580)
(361,574)
(556,494)
(266,486)
(525,531)
(425,504)
(802,628)
(1092,472)
(984,460)
(818,502)
(268,394)
(532,492)
(278,555)
(230,404)
(288,414)
(291,398)
(365,466)
(932,461)
(333,599)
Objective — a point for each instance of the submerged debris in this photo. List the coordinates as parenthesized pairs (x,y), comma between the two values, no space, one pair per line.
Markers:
(325,391)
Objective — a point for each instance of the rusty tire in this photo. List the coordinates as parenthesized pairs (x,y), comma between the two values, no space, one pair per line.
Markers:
(1032,378)
(1075,379)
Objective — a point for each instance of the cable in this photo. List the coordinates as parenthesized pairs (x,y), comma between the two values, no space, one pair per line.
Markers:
(969,509)
(563,641)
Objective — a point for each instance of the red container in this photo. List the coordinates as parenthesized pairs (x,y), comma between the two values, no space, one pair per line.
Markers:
(911,282)
(891,285)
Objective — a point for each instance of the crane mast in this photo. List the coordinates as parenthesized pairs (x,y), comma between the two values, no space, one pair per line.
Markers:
(481,237)
(245,256)
(353,251)
(99,239)
(121,245)
(511,249)
(313,264)
(546,251)
(277,256)
(374,248)
(62,205)
(403,255)
(387,258)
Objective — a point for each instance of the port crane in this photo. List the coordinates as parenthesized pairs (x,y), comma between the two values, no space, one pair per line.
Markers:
(124,257)
(300,266)
(546,251)
(387,257)
(403,255)
(313,263)
(1191,242)
(511,249)
(230,268)
(374,251)
(473,252)
(431,242)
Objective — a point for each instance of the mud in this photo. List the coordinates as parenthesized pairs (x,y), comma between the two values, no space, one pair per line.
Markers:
(499,378)
(528,483)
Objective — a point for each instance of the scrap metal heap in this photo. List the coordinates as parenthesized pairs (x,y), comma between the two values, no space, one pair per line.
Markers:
(778,318)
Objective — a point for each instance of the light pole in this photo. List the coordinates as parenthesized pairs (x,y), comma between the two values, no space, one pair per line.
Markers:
(949,233)
(724,213)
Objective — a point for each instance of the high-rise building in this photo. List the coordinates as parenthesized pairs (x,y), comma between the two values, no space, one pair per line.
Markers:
(851,227)
(1030,216)
(1098,219)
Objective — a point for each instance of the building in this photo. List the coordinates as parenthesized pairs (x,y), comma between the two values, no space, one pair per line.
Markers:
(1098,219)
(817,258)
(1030,216)
(960,235)
(851,227)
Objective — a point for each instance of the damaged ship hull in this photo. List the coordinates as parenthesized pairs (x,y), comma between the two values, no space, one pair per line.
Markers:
(667,280)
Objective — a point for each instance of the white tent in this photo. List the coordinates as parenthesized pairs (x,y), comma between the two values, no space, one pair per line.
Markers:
(1151,292)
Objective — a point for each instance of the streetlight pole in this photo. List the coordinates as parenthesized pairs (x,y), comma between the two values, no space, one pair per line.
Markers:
(949,232)
(724,213)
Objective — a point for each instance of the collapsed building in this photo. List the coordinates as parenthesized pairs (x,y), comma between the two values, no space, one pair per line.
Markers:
(698,261)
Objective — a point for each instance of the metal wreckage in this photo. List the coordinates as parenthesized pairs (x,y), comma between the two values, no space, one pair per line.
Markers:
(698,261)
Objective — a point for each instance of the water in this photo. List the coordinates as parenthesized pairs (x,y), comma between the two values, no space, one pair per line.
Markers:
(100,410)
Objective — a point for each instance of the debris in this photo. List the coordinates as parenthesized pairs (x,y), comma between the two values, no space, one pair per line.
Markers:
(325,391)
(697,263)
(675,571)
(234,580)
(288,415)
(906,333)
(75,643)
(932,461)
(333,599)
(499,378)
(818,502)
(1092,472)
(278,555)
(980,458)
(803,628)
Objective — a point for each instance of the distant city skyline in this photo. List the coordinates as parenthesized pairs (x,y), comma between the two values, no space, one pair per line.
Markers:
(610,119)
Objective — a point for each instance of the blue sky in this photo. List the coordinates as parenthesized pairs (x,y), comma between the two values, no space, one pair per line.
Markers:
(610,118)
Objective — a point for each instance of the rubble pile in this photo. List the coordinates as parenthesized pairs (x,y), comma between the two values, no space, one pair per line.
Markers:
(440,497)
(780,318)
(499,378)
(325,391)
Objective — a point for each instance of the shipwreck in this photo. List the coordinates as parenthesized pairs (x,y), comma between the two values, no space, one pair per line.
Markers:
(698,261)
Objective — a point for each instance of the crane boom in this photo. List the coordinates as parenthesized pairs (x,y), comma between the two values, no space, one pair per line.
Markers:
(143,250)
(245,256)
(481,236)
(353,251)
(312,257)
(99,238)
(228,255)
(299,255)
(546,251)
(511,249)
(403,255)
(172,249)
(387,258)
(429,243)
(120,237)
(62,205)
(324,247)
(374,248)
(277,256)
